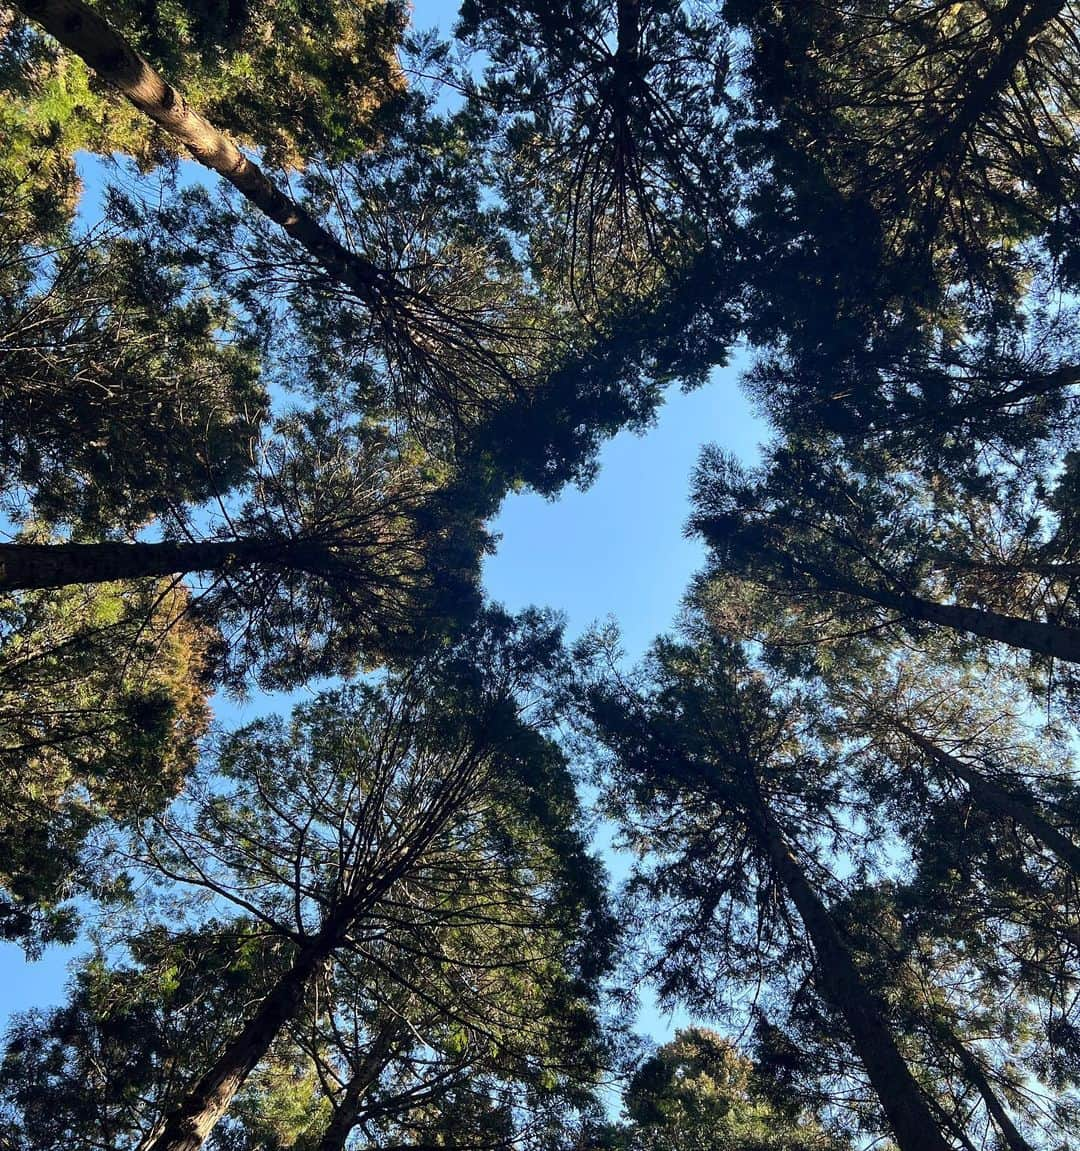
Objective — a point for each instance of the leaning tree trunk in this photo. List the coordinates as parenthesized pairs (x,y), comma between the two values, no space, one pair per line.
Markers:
(188,1125)
(192,1120)
(27,566)
(975,1075)
(838,978)
(1030,635)
(80,29)
(999,801)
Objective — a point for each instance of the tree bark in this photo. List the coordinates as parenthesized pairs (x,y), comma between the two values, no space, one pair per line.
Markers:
(839,981)
(1030,635)
(1000,801)
(81,30)
(189,1124)
(27,566)
(977,1077)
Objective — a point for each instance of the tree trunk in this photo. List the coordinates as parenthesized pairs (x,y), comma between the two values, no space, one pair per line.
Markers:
(26,566)
(977,1077)
(999,801)
(81,30)
(839,981)
(1029,635)
(188,1125)
(346,1111)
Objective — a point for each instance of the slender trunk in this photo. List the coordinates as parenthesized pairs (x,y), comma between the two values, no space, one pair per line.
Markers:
(1027,634)
(188,1125)
(977,1077)
(999,801)
(26,566)
(81,30)
(347,1109)
(840,983)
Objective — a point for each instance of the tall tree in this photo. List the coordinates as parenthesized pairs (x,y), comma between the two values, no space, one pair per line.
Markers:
(973,1027)
(729,806)
(134,1028)
(294,83)
(844,554)
(946,128)
(418,321)
(614,135)
(414,840)
(349,546)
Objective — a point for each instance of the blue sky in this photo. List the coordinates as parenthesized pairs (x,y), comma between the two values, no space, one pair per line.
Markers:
(616,549)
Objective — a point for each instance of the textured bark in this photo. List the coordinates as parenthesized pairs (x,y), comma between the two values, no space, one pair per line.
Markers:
(26,566)
(839,981)
(186,1127)
(998,800)
(81,30)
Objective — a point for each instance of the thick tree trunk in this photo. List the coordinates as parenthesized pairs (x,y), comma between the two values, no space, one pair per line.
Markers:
(186,1127)
(80,29)
(999,801)
(839,981)
(975,1075)
(26,566)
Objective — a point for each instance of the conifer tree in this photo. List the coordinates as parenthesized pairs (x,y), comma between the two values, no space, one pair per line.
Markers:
(730,808)
(406,852)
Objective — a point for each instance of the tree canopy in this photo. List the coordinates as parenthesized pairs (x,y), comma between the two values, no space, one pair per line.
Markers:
(292,296)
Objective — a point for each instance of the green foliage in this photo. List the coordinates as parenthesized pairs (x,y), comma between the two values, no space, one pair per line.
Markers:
(132,1032)
(103,701)
(294,81)
(698,1093)
(427,832)
(122,396)
(613,141)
